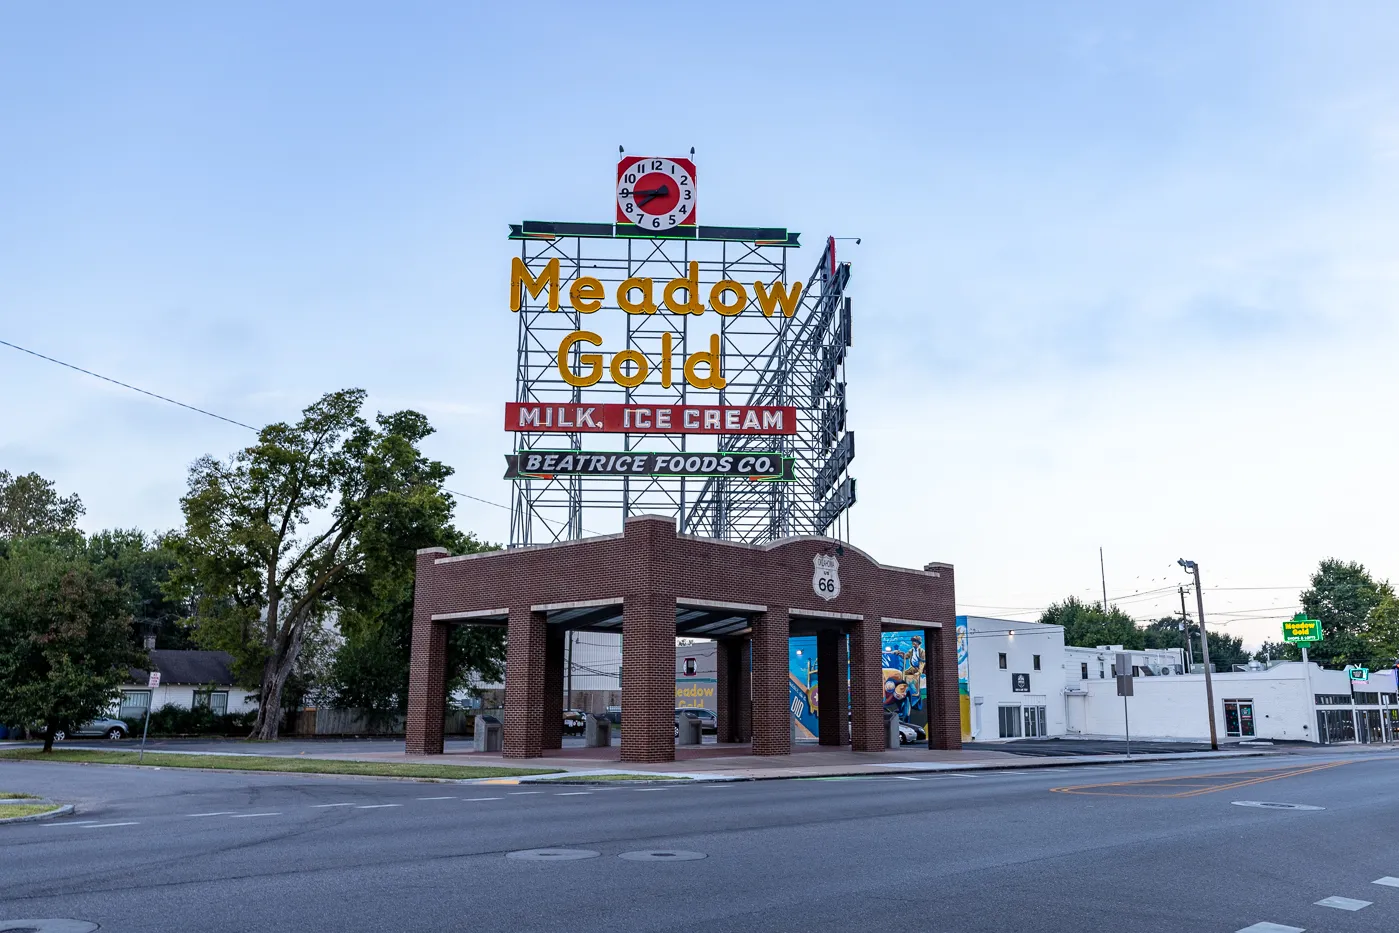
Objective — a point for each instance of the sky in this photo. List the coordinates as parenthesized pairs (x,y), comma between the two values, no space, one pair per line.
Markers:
(1127,276)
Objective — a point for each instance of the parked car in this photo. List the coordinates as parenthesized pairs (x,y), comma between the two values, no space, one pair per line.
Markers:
(709,722)
(574,722)
(111,728)
(614,713)
(909,733)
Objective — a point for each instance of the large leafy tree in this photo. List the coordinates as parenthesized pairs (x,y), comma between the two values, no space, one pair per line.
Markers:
(141,564)
(1359,618)
(1225,650)
(276,535)
(65,634)
(30,505)
(370,670)
(1086,625)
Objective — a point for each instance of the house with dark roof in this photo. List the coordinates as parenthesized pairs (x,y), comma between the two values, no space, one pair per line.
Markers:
(187,679)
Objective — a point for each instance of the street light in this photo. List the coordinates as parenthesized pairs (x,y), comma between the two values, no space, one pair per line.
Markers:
(1193,568)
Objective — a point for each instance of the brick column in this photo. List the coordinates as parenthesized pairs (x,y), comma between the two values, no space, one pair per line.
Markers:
(648,679)
(946,731)
(427,667)
(866,686)
(772,713)
(743,690)
(524,684)
(553,685)
(723,725)
(832,689)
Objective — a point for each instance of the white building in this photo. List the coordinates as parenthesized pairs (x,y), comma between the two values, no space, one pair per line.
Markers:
(1015,678)
(187,679)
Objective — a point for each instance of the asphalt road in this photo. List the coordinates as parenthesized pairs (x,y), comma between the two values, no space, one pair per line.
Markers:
(1155,847)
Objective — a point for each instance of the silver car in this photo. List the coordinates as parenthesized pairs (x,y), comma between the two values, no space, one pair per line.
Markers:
(110,728)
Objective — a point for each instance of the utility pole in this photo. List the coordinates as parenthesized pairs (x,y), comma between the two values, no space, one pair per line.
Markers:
(1102,572)
(1193,568)
(1185,630)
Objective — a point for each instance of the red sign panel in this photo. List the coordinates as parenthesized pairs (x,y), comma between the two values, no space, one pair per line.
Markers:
(650,419)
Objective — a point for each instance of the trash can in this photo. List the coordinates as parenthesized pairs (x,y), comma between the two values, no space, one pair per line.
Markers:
(891,729)
(689,729)
(597,731)
(486,733)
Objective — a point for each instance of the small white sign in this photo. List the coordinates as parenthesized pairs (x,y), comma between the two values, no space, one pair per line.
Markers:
(825,580)
(154,681)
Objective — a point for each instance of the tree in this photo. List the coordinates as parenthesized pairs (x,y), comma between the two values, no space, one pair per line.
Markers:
(277,534)
(370,670)
(1277,651)
(1086,625)
(141,565)
(29,505)
(1165,633)
(1358,617)
(65,634)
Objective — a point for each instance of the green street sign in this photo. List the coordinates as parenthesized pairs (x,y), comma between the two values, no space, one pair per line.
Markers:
(1301,629)
(1359,673)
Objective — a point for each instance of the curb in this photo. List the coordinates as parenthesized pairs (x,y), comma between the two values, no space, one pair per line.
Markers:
(61,811)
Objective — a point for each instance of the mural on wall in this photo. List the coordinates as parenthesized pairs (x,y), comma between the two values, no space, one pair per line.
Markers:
(964,700)
(905,680)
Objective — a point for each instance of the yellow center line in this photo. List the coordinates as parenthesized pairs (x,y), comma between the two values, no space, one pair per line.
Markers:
(1210,783)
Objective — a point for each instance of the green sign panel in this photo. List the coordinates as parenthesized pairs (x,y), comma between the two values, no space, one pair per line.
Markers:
(1301,629)
(1359,673)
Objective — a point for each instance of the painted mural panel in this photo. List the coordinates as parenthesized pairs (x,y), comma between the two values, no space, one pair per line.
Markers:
(904,674)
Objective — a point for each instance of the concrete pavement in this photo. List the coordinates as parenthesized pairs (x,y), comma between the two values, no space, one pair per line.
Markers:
(1136,847)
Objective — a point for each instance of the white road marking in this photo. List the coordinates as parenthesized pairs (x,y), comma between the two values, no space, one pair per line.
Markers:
(521,793)
(215,813)
(248,816)
(469,799)
(574,793)
(644,790)
(75,823)
(105,825)
(437,798)
(1266,927)
(1343,903)
(377,806)
(1387,881)
(950,774)
(322,806)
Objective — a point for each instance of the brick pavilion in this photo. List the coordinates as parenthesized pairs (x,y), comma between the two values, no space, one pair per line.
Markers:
(653,585)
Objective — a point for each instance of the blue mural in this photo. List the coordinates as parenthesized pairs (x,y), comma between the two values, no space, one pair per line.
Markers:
(904,674)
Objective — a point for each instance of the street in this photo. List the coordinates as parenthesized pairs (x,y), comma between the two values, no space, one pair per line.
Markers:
(1141,847)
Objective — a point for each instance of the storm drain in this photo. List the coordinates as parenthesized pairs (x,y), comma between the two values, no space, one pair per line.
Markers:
(662,855)
(552,855)
(56,925)
(1269,805)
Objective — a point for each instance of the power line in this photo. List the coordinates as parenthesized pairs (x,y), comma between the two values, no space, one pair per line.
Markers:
(163,398)
(124,385)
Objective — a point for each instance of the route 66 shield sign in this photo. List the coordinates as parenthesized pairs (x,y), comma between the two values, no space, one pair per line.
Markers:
(825,580)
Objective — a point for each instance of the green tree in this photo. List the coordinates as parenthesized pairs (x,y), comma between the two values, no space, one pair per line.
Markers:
(1277,651)
(65,634)
(1086,625)
(370,669)
(277,534)
(1165,633)
(141,564)
(29,505)
(1357,613)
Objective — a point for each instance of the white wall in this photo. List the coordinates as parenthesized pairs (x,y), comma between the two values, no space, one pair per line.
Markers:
(986,682)
(182,695)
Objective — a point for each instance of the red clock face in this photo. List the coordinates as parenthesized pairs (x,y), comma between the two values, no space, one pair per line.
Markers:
(655,193)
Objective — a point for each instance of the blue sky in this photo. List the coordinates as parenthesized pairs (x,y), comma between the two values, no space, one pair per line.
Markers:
(1128,272)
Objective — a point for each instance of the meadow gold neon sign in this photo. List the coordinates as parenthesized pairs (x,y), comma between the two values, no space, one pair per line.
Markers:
(637,295)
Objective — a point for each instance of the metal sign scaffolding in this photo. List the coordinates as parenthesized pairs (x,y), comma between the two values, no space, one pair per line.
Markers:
(767,360)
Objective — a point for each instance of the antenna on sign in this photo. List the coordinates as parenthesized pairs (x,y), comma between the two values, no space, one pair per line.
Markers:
(620,150)
(692,152)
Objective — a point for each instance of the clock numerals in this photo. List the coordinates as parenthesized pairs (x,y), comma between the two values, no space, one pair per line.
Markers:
(655,193)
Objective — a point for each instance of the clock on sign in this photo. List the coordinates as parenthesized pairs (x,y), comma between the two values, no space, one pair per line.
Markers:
(656,194)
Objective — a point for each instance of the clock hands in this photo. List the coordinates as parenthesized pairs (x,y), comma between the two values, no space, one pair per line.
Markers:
(651,194)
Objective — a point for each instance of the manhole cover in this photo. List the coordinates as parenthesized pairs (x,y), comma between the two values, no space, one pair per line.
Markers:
(552,855)
(56,925)
(662,855)
(1269,805)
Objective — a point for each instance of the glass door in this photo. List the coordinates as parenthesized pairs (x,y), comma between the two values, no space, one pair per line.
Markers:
(1238,718)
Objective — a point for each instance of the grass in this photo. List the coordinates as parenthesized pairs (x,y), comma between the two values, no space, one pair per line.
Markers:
(6,795)
(590,778)
(24,809)
(268,763)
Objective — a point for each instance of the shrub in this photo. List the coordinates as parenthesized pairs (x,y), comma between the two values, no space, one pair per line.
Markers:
(176,720)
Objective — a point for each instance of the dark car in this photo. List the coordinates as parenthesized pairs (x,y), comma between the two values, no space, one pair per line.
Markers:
(614,713)
(574,722)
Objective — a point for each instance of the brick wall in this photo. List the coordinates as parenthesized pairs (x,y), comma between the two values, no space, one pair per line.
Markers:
(649,567)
